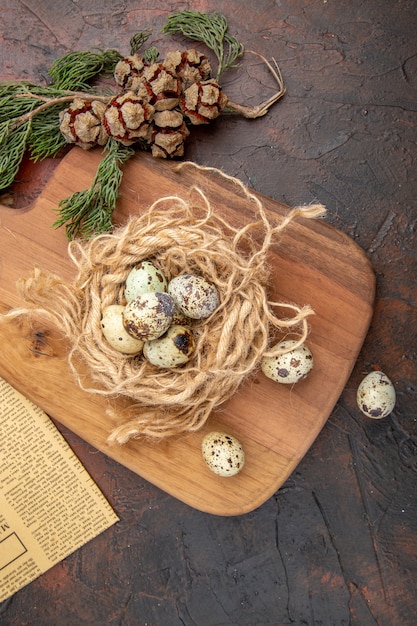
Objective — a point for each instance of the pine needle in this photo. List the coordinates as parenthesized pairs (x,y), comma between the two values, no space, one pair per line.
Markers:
(88,212)
(46,140)
(210,29)
(75,70)
(138,39)
(12,150)
(151,55)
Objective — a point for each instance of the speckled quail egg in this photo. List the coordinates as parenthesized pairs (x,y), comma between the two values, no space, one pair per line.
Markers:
(290,367)
(149,315)
(223,453)
(144,278)
(376,395)
(172,349)
(180,319)
(194,295)
(115,333)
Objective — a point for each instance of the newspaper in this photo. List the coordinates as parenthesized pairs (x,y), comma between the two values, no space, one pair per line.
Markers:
(49,504)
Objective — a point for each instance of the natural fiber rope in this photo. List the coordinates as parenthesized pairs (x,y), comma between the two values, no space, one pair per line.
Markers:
(178,236)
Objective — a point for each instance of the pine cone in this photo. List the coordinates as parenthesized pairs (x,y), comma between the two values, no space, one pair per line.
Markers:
(169,134)
(128,118)
(82,123)
(190,66)
(160,87)
(203,101)
(128,72)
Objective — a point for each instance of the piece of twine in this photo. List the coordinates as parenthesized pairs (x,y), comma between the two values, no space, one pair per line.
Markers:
(178,236)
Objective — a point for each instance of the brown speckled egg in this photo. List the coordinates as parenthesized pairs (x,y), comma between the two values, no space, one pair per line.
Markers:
(172,349)
(180,319)
(115,333)
(223,453)
(193,295)
(149,315)
(376,395)
(291,367)
(144,278)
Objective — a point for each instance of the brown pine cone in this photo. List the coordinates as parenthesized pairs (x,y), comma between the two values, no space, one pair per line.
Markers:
(128,118)
(128,72)
(82,123)
(169,134)
(203,101)
(160,87)
(190,66)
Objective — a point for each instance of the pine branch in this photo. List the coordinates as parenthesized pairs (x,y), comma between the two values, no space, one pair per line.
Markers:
(210,29)
(138,39)
(29,114)
(75,70)
(88,212)
(12,150)
(19,98)
(151,55)
(19,105)
(46,139)
(14,106)
(29,118)
(4,131)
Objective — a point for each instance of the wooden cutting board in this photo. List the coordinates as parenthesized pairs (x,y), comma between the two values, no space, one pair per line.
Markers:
(312,263)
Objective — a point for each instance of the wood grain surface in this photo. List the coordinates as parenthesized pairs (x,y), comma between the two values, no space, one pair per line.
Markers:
(336,544)
(312,264)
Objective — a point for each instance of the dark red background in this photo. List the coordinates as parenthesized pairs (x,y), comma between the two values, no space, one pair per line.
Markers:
(336,545)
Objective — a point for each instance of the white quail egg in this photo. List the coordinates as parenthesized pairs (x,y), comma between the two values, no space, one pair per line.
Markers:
(376,395)
(115,333)
(290,367)
(143,278)
(193,295)
(223,453)
(172,349)
(149,315)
